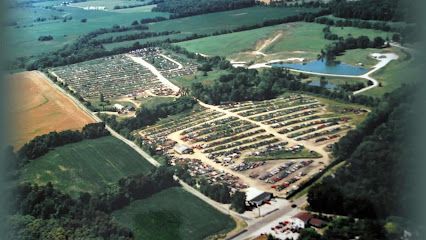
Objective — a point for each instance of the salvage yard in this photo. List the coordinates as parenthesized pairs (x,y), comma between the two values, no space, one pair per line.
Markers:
(274,145)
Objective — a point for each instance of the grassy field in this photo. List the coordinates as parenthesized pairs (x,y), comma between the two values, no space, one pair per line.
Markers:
(394,75)
(24,39)
(109,5)
(40,108)
(90,165)
(213,22)
(173,214)
(293,40)
(186,81)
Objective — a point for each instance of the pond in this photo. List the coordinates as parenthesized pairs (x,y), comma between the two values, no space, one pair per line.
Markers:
(320,66)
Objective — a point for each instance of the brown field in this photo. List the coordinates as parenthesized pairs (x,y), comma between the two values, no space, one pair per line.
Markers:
(39,108)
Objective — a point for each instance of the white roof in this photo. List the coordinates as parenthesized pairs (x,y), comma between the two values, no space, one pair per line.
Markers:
(118,106)
(252,193)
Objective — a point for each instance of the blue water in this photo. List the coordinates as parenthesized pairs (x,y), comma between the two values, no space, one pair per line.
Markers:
(320,66)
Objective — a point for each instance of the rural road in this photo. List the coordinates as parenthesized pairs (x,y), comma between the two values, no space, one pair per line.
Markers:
(383,59)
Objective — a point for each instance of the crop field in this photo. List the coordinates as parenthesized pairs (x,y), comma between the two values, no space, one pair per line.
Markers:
(40,108)
(173,214)
(113,76)
(105,5)
(277,143)
(289,40)
(25,35)
(89,166)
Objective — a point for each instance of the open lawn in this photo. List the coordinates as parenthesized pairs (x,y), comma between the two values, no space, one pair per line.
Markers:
(173,214)
(395,74)
(289,40)
(39,108)
(188,80)
(90,165)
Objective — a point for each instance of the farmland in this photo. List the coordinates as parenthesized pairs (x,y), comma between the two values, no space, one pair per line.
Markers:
(173,214)
(279,142)
(90,165)
(26,33)
(215,22)
(25,37)
(293,40)
(40,108)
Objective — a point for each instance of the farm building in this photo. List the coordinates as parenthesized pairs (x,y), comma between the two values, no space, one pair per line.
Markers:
(118,107)
(256,197)
(182,149)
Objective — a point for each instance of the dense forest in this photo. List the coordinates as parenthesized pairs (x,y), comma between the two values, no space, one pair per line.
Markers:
(371,184)
(41,145)
(184,8)
(386,10)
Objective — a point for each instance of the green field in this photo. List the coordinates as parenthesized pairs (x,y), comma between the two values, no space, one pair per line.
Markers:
(213,22)
(173,214)
(294,40)
(395,74)
(90,165)
(24,40)
(186,81)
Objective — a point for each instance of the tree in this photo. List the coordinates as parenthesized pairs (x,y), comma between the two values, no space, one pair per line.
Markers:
(309,234)
(101,97)
(238,202)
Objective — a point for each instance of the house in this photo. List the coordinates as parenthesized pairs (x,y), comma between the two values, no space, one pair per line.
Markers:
(304,216)
(256,197)
(183,149)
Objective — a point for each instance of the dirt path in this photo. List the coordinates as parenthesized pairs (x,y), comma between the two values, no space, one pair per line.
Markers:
(266,44)
(174,61)
(154,70)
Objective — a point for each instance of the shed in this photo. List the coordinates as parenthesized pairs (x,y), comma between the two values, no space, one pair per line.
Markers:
(182,149)
(257,197)
(119,107)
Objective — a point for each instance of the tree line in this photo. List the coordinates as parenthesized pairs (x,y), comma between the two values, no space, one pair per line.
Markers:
(249,84)
(40,145)
(372,184)
(385,10)
(185,8)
